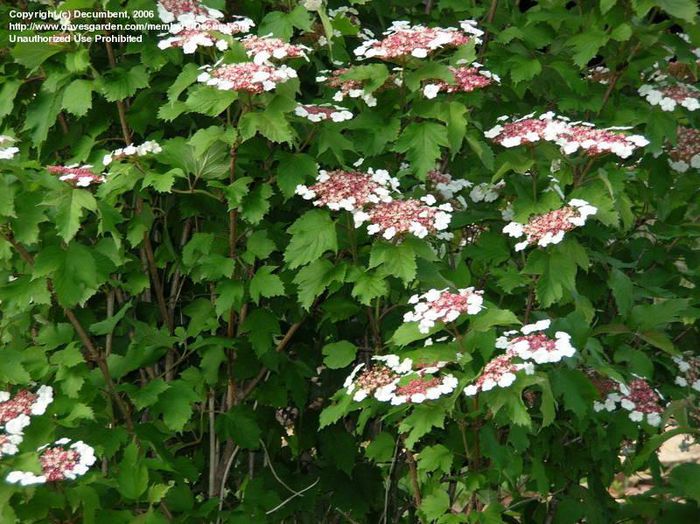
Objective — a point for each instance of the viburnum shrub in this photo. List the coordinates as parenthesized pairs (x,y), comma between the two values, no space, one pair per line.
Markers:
(363,261)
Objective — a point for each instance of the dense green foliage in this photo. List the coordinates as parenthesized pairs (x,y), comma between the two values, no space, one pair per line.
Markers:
(197,319)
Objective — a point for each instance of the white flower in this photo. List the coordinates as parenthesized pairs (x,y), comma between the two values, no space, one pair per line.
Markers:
(431,90)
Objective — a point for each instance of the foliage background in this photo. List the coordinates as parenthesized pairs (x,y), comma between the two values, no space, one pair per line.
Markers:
(181,308)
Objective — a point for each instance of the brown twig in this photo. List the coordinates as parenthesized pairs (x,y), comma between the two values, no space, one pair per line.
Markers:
(489,19)
(413,474)
(280,347)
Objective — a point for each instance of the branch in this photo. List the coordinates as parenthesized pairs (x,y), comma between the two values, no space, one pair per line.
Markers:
(413,474)
(280,347)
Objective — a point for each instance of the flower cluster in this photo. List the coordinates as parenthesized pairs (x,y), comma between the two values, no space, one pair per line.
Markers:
(9,444)
(550,228)
(531,343)
(319,113)
(186,11)
(375,381)
(569,136)
(350,190)
(148,147)
(637,397)
(599,74)
(207,33)
(527,130)
(467,79)
(688,371)
(400,217)
(59,461)
(262,48)
(686,153)
(16,410)
(402,40)
(522,348)
(500,371)
(7,150)
(246,76)
(668,96)
(595,142)
(445,185)
(486,192)
(421,388)
(396,381)
(369,197)
(443,305)
(346,87)
(79,176)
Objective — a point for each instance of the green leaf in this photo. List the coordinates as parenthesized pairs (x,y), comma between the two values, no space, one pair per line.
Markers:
(240,425)
(271,124)
(294,169)
(32,54)
(265,284)
(557,270)
(686,479)
(41,116)
(653,444)
(435,458)
(372,76)
(256,203)
(586,45)
(435,505)
(491,317)
(186,78)
(176,404)
(381,448)
(683,9)
(108,324)
(421,142)
(398,260)
(209,100)
(313,279)
(148,395)
(606,5)
(236,191)
(333,413)
(230,295)
(73,271)
(369,286)
(312,235)
(132,478)
(457,128)
(339,354)
(203,139)
(647,316)
(622,290)
(262,327)
(7,96)
(522,68)
(69,206)
(121,83)
(420,422)
(408,332)
(11,369)
(282,24)
(258,246)
(162,182)
(575,389)
(77,98)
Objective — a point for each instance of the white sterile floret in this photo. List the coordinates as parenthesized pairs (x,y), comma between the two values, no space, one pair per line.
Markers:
(7,151)
(514,229)
(540,325)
